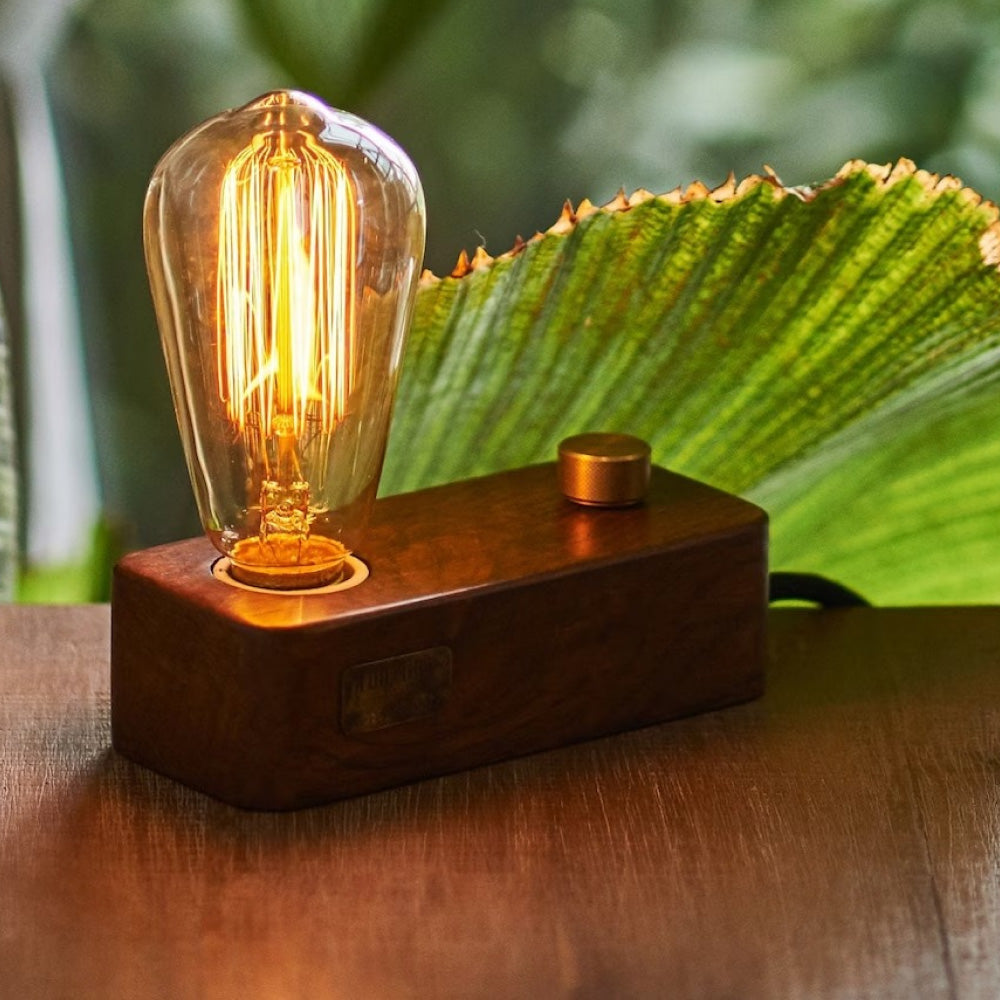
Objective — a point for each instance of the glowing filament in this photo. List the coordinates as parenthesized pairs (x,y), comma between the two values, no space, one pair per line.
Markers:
(286,296)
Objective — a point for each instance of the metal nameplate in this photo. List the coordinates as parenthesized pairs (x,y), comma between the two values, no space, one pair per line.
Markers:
(389,692)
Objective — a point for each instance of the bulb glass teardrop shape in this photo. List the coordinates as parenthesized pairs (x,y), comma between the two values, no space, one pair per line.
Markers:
(283,242)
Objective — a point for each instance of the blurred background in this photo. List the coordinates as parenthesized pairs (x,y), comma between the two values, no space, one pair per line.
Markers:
(507,109)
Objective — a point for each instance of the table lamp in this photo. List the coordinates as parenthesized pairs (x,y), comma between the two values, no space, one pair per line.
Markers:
(319,643)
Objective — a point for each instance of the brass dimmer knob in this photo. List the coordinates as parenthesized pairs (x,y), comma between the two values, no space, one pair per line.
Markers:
(604,470)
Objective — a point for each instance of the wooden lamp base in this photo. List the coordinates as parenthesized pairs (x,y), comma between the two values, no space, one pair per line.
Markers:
(498,619)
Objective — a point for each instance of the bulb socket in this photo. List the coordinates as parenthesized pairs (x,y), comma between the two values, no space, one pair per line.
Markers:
(352,572)
(604,470)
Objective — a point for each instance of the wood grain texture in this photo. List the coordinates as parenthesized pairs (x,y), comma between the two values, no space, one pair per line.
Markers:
(839,837)
(558,623)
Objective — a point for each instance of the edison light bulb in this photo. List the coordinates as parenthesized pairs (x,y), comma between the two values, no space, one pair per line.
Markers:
(284,241)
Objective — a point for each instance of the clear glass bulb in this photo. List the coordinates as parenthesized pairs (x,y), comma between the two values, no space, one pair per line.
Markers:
(284,242)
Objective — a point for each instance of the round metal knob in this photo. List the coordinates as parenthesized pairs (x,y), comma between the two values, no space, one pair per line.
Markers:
(604,470)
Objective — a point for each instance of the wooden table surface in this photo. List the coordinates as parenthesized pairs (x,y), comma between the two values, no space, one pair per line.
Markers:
(838,838)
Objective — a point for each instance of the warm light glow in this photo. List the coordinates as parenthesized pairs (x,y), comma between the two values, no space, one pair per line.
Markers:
(283,240)
(286,296)
(286,324)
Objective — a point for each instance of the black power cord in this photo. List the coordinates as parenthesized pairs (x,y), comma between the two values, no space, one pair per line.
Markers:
(813,588)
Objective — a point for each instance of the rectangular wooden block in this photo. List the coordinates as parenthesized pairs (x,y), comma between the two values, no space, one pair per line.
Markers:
(499,619)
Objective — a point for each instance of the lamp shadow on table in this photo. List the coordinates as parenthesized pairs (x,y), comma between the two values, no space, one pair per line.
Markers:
(123,796)
(125,848)
(112,866)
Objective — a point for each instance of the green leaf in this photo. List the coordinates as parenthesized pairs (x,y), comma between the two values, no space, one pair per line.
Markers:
(829,352)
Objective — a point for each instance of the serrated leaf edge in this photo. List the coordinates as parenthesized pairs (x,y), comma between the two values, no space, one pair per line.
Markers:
(886,175)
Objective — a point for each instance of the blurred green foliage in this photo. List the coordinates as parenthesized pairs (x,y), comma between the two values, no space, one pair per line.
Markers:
(507,109)
(77,582)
